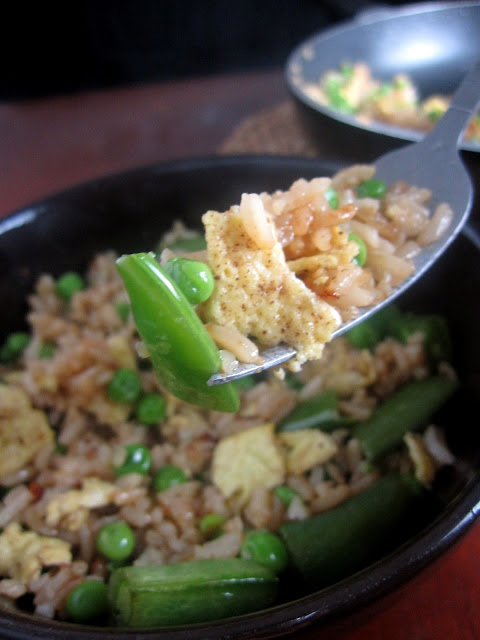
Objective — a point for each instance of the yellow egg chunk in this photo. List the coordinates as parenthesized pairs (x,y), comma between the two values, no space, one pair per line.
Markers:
(255,290)
(306,448)
(24,553)
(246,460)
(24,431)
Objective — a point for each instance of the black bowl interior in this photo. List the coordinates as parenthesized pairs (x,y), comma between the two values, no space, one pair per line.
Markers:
(129,212)
(434,43)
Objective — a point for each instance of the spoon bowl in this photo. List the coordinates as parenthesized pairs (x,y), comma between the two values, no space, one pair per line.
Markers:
(434,163)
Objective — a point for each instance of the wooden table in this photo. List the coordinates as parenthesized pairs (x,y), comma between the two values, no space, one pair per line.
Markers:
(50,144)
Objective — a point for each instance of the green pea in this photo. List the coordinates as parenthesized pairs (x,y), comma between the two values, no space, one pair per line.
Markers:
(285,494)
(123,310)
(137,460)
(371,189)
(68,284)
(88,601)
(361,256)
(168,476)
(13,346)
(116,541)
(332,198)
(211,525)
(125,386)
(47,350)
(193,277)
(151,409)
(266,548)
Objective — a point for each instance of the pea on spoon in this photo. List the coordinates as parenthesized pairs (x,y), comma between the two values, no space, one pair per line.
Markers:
(433,163)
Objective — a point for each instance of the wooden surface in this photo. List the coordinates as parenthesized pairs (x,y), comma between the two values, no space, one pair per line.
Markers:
(50,144)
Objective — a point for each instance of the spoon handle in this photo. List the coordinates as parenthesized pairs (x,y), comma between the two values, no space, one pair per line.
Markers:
(448,132)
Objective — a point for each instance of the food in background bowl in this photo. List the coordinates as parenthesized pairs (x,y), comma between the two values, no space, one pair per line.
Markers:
(353,89)
(116,489)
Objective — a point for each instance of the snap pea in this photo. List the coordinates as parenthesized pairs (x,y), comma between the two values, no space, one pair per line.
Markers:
(367,334)
(320,412)
(437,337)
(334,544)
(408,409)
(190,592)
(182,352)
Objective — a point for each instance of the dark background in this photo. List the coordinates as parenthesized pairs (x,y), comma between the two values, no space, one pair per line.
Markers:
(49,48)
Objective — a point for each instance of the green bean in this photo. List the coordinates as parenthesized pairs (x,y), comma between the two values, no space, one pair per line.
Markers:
(408,409)
(190,592)
(319,412)
(336,543)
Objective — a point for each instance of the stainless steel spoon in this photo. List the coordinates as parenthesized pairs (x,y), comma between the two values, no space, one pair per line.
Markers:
(434,163)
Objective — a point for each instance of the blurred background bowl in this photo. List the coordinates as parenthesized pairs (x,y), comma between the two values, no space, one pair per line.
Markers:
(433,43)
(129,212)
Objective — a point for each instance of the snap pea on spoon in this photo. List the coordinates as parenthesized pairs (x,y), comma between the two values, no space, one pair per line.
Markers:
(186,359)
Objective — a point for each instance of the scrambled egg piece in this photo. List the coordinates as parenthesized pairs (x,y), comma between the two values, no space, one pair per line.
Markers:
(421,458)
(24,553)
(71,509)
(24,431)
(306,448)
(255,291)
(246,460)
(259,457)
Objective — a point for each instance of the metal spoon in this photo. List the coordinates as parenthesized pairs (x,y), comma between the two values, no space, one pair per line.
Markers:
(434,163)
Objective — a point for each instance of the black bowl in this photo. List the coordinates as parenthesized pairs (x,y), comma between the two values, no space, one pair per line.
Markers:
(128,212)
(434,43)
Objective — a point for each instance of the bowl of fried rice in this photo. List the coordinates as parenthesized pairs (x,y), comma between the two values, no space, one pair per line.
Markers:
(384,79)
(128,511)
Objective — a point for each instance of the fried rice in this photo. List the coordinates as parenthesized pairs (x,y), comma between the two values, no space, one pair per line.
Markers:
(63,437)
